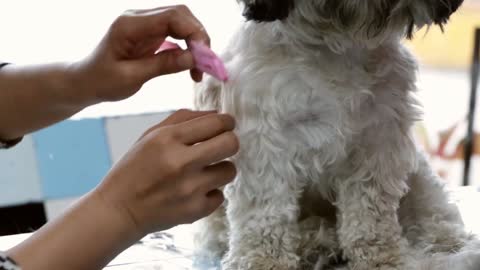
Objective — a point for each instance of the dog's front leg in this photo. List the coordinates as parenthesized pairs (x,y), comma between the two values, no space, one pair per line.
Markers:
(368,200)
(211,238)
(369,232)
(430,220)
(262,214)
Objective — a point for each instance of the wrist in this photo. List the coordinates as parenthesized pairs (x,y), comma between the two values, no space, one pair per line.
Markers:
(78,84)
(122,222)
(87,222)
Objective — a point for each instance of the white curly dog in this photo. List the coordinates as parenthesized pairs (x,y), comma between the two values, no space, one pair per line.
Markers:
(328,174)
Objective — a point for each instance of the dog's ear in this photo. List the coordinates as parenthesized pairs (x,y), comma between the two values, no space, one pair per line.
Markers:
(443,9)
(428,12)
(267,10)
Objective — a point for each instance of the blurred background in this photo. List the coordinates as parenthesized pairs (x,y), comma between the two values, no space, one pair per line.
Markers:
(445,82)
(53,167)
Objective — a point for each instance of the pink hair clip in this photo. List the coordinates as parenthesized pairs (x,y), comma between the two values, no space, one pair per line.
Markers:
(167,45)
(205,59)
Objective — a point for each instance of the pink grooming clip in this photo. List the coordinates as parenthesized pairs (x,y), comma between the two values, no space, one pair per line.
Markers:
(207,61)
(167,45)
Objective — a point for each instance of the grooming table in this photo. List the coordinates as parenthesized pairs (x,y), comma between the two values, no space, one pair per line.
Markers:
(172,249)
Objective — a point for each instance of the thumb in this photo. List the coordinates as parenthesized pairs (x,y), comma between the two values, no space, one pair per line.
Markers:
(166,62)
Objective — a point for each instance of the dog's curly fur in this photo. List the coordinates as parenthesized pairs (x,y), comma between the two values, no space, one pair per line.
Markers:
(328,174)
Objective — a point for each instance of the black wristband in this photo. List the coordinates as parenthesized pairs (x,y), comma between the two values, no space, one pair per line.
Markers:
(3,64)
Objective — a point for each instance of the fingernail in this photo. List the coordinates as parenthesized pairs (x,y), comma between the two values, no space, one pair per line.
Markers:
(185,60)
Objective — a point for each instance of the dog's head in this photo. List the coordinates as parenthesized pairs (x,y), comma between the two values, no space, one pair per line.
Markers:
(374,16)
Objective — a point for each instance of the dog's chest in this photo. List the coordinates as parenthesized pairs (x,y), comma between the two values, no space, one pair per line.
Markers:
(301,116)
(299,105)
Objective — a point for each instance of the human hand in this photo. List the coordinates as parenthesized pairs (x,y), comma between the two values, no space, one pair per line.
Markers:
(172,174)
(127,56)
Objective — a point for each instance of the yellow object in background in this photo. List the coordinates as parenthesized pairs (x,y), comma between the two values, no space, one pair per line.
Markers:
(454,47)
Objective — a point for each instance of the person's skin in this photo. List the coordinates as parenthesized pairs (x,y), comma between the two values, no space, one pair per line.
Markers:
(169,177)
(33,97)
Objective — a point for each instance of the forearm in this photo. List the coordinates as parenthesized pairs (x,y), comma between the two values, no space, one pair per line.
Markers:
(33,97)
(87,237)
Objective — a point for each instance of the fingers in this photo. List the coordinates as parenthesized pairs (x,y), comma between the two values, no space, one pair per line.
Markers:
(206,187)
(208,135)
(177,117)
(204,205)
(204,128)
(197,33)
(175,21)
(216,176)
(216,149)
(196,75)
(184,115)
(157,24)
(166,62)
(214,200)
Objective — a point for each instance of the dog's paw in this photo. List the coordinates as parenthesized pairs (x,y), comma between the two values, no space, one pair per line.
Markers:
(385,256)
(463,260)
(367,266)
(391,265)
(382,262)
